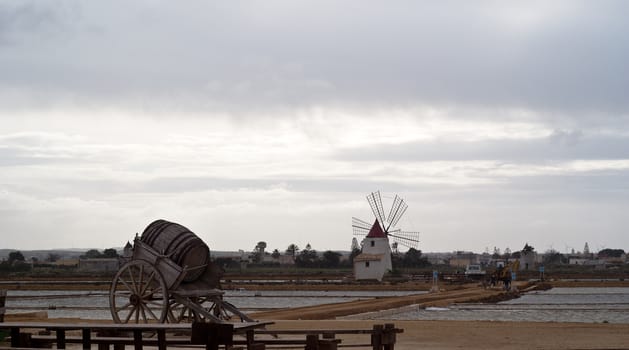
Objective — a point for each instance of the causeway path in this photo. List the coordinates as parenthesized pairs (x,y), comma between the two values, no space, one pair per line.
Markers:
(331,311)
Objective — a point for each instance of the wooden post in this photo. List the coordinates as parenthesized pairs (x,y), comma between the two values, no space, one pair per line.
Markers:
(61,338)
(312,342)
(161,339)
(137,339)
(389,337)
(251,345)
(87,338)
(376,337)
(3,297)
(328,342)
(15,337)
(212,334)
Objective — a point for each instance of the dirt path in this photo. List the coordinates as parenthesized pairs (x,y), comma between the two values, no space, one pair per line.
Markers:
(330,311)
(472,335)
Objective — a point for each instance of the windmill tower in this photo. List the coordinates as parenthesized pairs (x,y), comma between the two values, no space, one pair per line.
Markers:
(375,258)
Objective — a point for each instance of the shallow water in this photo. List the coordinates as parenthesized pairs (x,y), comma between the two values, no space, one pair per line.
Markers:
(588,305)
(95,304)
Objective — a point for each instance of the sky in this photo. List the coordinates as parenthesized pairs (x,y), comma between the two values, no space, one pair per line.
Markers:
(499,123)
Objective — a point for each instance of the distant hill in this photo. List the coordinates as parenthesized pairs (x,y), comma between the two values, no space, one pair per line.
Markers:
(73,253)
(64,253)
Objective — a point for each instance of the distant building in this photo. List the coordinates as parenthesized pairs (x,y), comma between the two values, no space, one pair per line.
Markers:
(463,259)
(286,260)
(67,262)
(578,261)
(528,260)
(99,265)
(127,251)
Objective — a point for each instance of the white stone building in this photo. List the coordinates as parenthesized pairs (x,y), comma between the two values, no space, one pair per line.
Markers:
(375,259)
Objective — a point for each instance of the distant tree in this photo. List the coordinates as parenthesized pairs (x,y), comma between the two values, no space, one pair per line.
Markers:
(258,252)
(394,248)
(355,244)
(261,246)
(307,257)
(527,248)
(292,250)
(15,256)
(611,253)
(227,263)
(91,254)
(110,253)
(413,258)
(507,253)
(553,257)
(496,254)
(331,259)
(276,254)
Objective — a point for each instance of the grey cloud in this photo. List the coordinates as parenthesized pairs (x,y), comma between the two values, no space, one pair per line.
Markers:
(247,56)
(33,21)
(37,149)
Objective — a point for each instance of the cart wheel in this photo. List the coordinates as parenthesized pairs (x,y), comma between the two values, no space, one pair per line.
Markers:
(138,294)
(178,313)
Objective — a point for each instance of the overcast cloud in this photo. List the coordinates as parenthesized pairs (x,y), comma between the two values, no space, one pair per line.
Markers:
(499,123)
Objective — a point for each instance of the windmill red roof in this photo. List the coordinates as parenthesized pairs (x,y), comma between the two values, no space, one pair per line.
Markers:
(376,231)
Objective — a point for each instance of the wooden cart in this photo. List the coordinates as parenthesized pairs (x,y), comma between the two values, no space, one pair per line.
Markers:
(150,287)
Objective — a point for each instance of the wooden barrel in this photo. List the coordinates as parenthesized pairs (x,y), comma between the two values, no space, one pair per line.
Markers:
(180,244)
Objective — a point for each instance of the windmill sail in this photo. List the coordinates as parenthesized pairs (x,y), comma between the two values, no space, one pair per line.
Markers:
(397,210)
(406,238)
(360,227)
(376,206)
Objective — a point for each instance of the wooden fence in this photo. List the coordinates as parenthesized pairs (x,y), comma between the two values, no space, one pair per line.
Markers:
(244,335)
(3,298)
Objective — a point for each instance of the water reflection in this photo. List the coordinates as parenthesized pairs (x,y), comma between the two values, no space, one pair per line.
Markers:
(590,305)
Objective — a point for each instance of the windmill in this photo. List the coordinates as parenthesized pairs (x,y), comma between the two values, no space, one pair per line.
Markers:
(386,225)
(375,258)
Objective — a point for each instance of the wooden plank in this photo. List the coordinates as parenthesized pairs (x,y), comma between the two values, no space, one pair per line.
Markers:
(100,326)
(111,340)
(238,326)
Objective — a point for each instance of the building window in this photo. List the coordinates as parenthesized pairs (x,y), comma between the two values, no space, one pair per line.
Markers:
(366,263)
(373,243)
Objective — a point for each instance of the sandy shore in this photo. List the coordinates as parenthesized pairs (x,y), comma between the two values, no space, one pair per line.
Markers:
(448,335)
